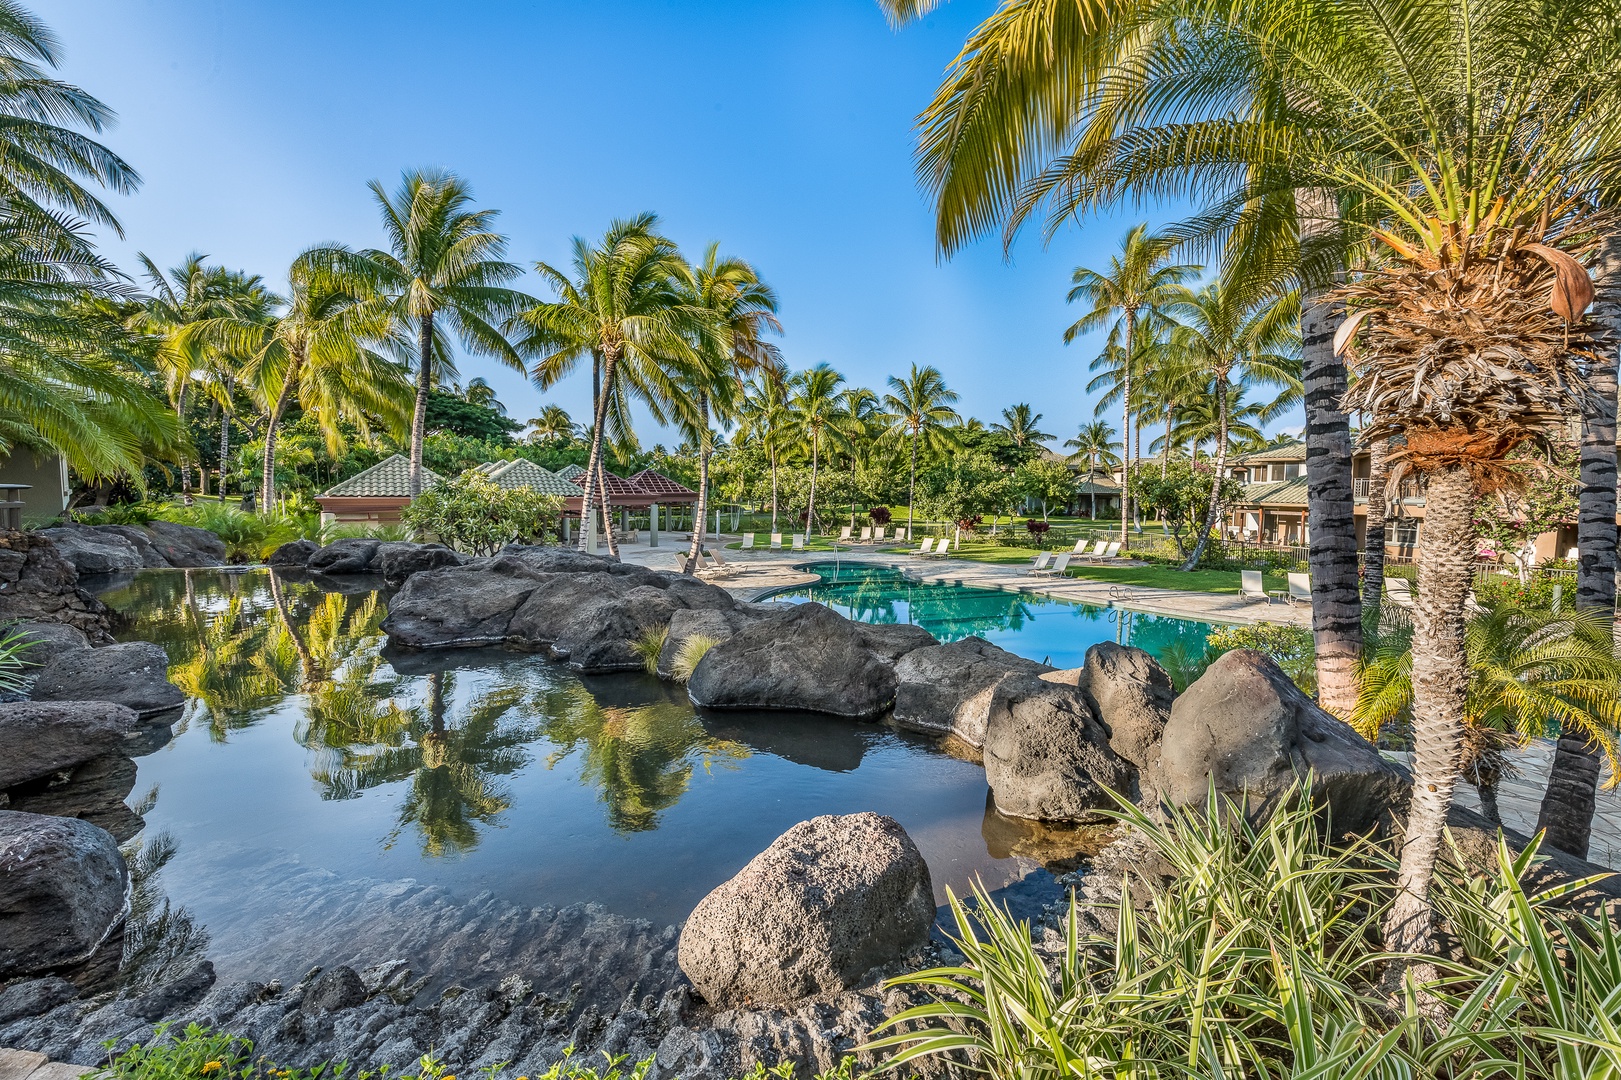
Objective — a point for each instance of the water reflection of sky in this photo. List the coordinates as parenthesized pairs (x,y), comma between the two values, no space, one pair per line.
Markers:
(493,770)
(1057,632)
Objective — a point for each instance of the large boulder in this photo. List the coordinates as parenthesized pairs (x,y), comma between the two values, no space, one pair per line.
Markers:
(92,791)
(716,624)
(40,738)
(38,585)
(46,639)
(94,551)
(947,689)
(134,673)
(396,562)
(593,620)
(1047,757)
(807,657)
(141,540)
(186,545)
(460,606)
(1129,692)
(351,556)
(1246,728)
(830,900)
(62,886)
(293,553)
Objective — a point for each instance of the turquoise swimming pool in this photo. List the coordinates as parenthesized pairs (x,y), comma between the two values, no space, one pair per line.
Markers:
(1056,632)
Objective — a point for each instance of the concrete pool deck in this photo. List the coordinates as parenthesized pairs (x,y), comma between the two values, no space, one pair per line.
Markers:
(761,572)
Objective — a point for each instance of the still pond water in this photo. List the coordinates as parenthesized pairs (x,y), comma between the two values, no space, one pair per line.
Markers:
(304,740)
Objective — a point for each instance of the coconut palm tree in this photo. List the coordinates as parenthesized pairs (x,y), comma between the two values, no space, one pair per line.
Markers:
(625,305)
(816,419)
(735,309)
(1019,425)
(1525,669)
(1094,442)
(919,408)
(553,425)
(1234,339)
(443,271)
(1129,299)
(765,419)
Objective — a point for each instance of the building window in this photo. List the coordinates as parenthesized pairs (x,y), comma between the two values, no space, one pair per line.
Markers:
(1291,471)
(1407,532)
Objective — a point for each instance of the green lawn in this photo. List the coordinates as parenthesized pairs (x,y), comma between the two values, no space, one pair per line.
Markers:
(1163,577)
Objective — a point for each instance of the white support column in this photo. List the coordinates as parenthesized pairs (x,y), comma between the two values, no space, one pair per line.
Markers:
(653,525)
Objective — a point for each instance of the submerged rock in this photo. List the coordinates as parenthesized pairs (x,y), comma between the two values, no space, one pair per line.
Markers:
(293,553)
(947,689)
(62,885)
(134,673)
(1046,755)
(1245,726)
(830,900)
(806,657)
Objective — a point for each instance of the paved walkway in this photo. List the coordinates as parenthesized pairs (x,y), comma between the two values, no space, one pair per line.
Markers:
(28,1065)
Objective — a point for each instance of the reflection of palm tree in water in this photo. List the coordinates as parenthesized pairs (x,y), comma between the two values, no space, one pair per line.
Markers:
(641,757)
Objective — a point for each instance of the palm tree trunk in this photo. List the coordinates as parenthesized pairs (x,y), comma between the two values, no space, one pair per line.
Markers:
(810,511)
(1125,430)
(773,489)
(593,461)
(267,485)
(911,490)
(1440,680)
(1567,807)
(419,416)
(1213,513)
(703,489)
(1373,547)
(1336,608)
(225,442)
(1165,448)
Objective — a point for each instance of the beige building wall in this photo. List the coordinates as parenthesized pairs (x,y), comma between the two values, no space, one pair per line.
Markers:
(47,480)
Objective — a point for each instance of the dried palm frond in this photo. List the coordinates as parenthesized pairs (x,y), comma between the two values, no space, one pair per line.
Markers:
(1472,341)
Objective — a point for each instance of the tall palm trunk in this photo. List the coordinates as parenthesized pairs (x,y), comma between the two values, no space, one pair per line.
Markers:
(593,462)
(773,489)
(911,489)
(1125,427)
(267,486)
(180,414)
(1567,806)
(810,511)
(1440,682)
(419,415)
(225,441)
(1336,609)
(703,489)
(1373,547)
(1212,514)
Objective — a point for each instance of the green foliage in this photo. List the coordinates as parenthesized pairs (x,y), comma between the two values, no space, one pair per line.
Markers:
(649,645)
(1181,496)
(1047,482)
(475,516)
(458,416)
(1292,647)
(692,649)
(1537,591)
(965,485)
(13,644)
(248,537)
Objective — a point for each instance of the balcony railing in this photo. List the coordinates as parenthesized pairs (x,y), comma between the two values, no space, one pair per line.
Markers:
(1410,489)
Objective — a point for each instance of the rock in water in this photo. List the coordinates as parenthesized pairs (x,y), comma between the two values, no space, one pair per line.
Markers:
(1046,756)
(396,562)
(186,545)
(352,556)
(829,900)
(62,884)
(38,584)
(1129,692)
(94,551)
(808,657)
(134,673)
(41,738)
(46,639)
(293,553)
(947,689)
(1244,725)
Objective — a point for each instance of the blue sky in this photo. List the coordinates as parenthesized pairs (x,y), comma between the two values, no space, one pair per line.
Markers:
(782,129)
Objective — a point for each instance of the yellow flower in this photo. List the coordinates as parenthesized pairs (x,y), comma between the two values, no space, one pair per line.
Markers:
(211,1066)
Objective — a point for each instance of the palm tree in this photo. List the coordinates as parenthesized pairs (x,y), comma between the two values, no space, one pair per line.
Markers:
(479,392)
(315,347)
(816,418)
(553,424)
(735,311)
(1525,668)
(1231,338)
(443,271)
(766,420)
(1094,442)
(624,305)
(1129,299)
(1019,425)
(920,409)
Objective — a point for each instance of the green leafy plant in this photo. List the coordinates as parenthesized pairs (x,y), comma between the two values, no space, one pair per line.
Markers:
(1292,647)
(476,516)
(14,648)
(689,653)
(649,645)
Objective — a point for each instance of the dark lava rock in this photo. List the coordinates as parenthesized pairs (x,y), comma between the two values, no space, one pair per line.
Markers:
(93,791)
(352,556)
(151,557)
(1246,727)
(947,689)
(170,997)
(134,673)
(830,900)
(42,738)
(35,997)
(334,989)
(94,551)
(717,624)
(807,657)
(186,545)
(1129,692)
(46,639)
(1046,756)
(62,885)
(396,562)
(38,585)
(593,620)
(459,606)
(293,553)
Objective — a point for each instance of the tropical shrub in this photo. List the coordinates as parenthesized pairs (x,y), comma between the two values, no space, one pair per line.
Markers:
(247,537)
(688,653)
(650,645)
(1036,528)
(878,515)
(475,516)
(1292,647)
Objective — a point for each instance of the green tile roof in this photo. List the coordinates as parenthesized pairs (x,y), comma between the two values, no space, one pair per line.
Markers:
(389,478)
(1277,493)
(521,472)
(1289,451)
(569,472)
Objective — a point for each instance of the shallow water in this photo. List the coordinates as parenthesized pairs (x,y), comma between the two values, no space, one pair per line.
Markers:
(305,744)
(1054,631)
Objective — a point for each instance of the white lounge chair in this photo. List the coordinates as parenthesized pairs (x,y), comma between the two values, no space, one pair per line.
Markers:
(925,548)
(1112,551)
(776,541)
(1043,561)
(799,541)
(900,534)
(844,533)
(1102,546)
(878,534)
(1400,591)
(866,534)
(1299,589)
(1252,586)
(748,542)
(1059,567)
(722,567)
(1079,548)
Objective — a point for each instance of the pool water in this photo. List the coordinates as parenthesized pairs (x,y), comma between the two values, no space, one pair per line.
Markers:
(306,743)
(1044,628)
